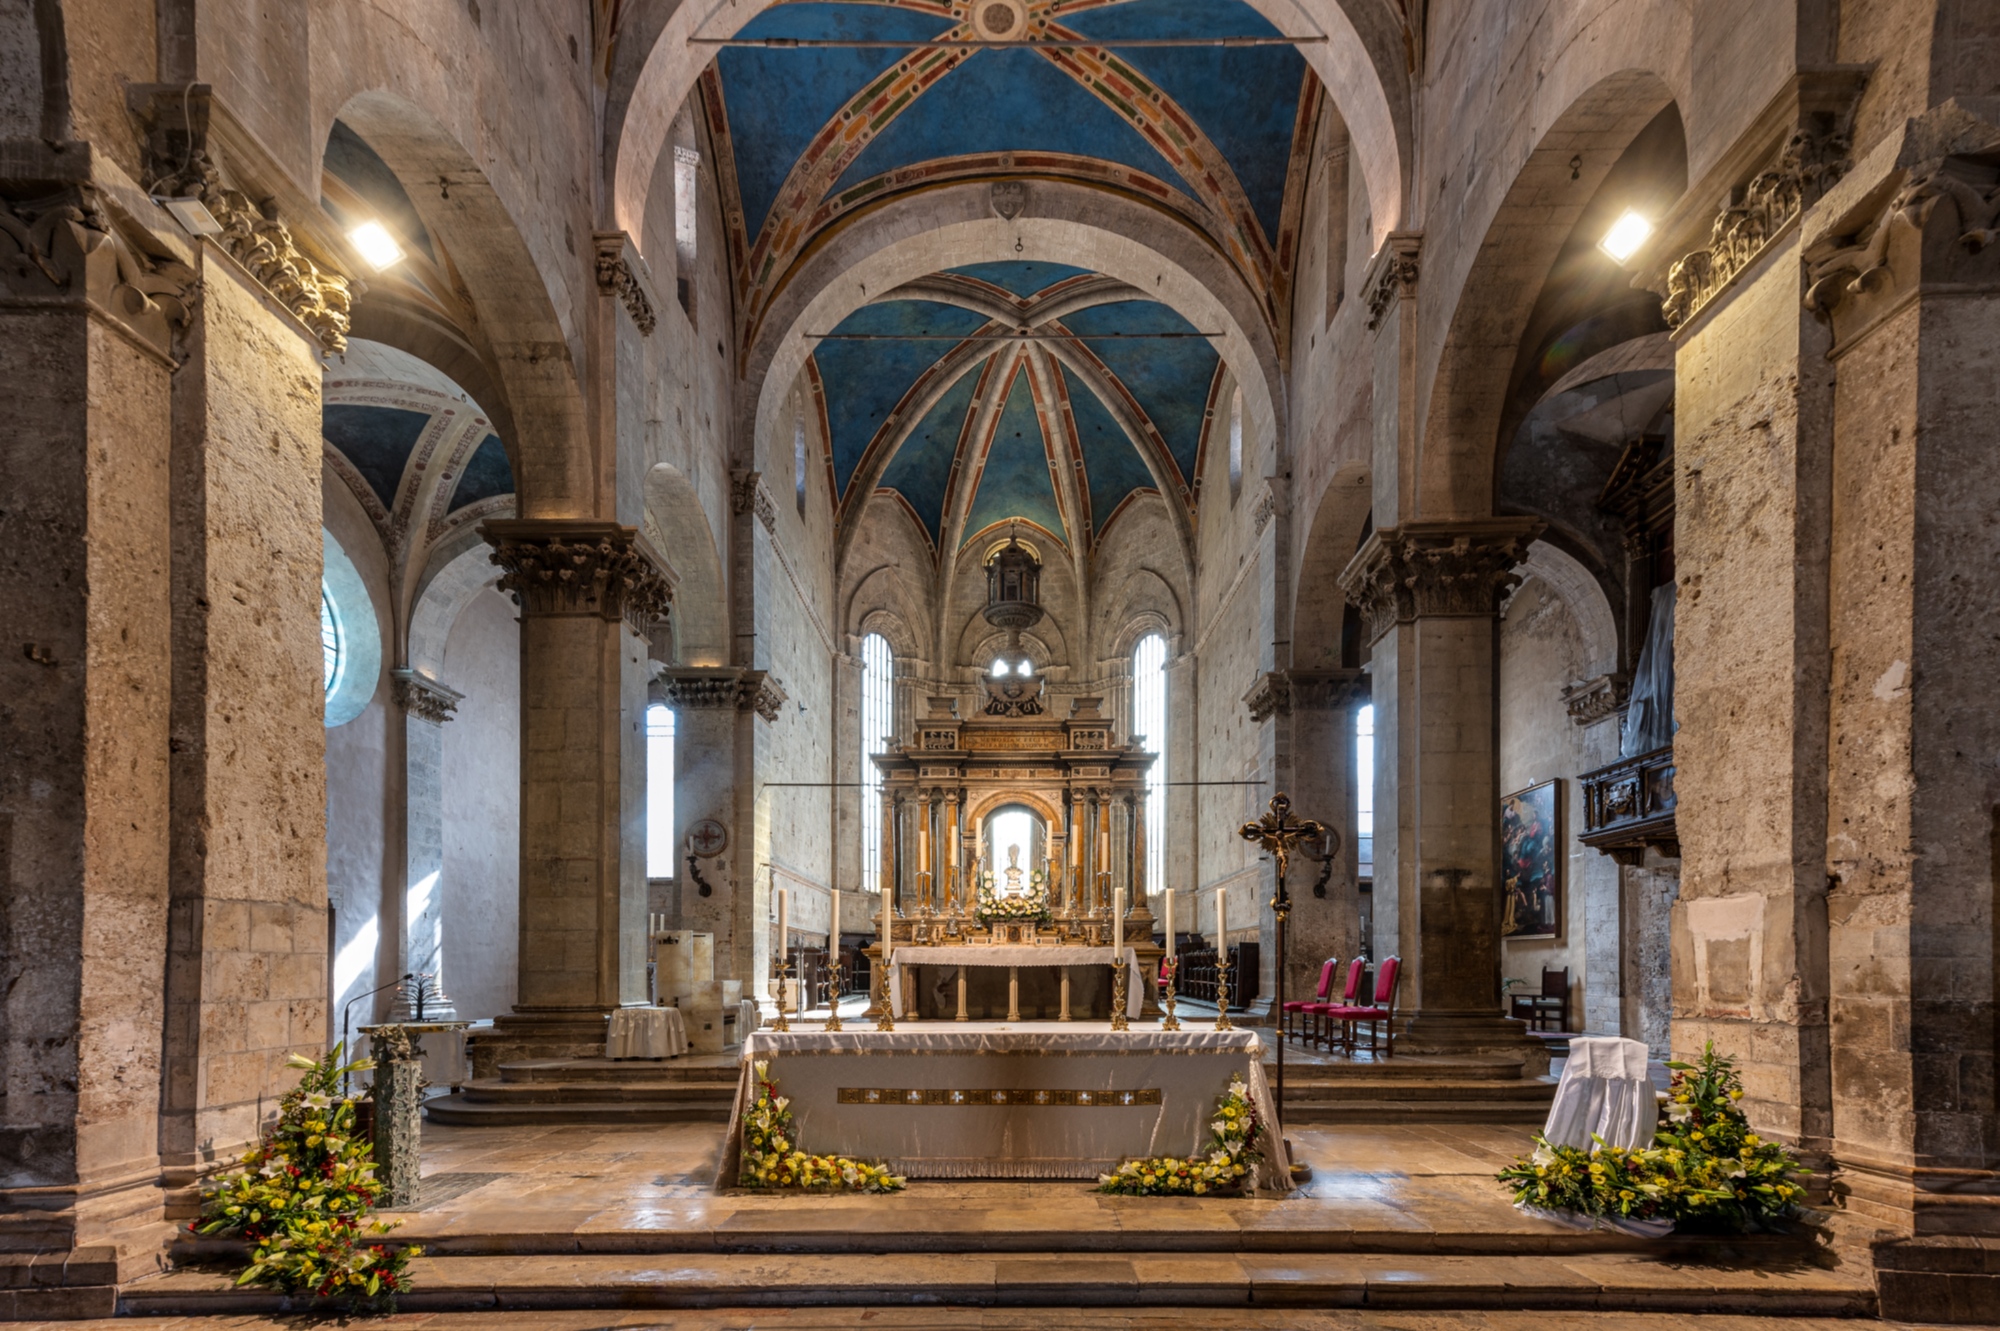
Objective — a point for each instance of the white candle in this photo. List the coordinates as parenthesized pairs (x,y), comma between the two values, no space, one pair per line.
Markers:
(1118,921)
(1170,926)
(1222,920)
(884,928)
(781,931)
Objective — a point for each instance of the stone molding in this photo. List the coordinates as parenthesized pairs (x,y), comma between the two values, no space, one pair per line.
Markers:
(178,165)
(747,494)
(1270,696)
(1425,570)
(720,688)
(65,244)
(1283,692)
(1267,508)
(1814,155)
(619,273)
(567,566)
(1592,700)
(1396,275)
(1878,256)
(423,697)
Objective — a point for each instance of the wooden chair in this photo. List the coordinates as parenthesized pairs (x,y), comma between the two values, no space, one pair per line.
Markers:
(1317,1013)
(1550,1005)
(1297,1008)
(1379,1016)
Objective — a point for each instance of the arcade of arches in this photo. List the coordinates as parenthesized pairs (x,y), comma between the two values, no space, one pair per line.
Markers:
(1550,441)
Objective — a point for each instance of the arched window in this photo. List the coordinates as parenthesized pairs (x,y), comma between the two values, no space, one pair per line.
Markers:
(1235,443)
(878,719)
(1364,791)
(329,640)
(1149,729)
(660,845)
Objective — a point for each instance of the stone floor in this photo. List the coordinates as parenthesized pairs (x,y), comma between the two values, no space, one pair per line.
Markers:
(1005,1319)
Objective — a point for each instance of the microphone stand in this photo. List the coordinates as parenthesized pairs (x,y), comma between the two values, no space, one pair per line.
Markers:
(346,1077)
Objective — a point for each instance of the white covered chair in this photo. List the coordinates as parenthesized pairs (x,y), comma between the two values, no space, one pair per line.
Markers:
(1605,1093)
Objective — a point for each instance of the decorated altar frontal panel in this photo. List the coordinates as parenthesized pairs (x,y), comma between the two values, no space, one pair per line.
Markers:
(1005,1102)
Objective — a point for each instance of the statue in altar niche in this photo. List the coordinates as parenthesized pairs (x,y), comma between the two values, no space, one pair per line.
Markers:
(1014,888)
(1014,903)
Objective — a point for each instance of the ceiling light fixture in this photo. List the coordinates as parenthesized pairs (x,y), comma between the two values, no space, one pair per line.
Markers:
(1626,235)
(376,245)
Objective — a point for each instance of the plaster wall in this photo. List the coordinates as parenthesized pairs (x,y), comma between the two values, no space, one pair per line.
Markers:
(482,795)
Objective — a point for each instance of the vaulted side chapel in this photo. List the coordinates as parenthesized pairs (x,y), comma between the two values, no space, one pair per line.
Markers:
(1020,570)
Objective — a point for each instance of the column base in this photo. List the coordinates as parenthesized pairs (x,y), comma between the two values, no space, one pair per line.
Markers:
(519,1036)
(1473,1033)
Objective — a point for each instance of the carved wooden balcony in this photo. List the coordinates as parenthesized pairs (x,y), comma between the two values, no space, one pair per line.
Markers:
(1629,806)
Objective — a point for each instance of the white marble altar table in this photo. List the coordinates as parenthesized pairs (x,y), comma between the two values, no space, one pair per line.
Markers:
(1006,1100)
(1013,956)
(646,1032)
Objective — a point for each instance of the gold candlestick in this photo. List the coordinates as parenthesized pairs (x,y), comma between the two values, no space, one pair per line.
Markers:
(833,1000)
(1222,1022)
(885,1020)
(1120,995)
(1172,1023)
(784,967)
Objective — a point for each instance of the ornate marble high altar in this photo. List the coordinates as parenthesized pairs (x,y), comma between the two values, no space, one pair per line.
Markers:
(1084,799)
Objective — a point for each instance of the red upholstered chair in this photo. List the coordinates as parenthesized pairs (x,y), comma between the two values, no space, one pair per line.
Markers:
(1316,1013)
(1381,1014)
(1319,996)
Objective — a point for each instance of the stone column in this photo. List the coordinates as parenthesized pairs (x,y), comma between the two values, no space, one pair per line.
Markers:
(1322,703)
(589,593)
(1904,271)
(1430,596)
(426,706)
(704,703)
(87,360)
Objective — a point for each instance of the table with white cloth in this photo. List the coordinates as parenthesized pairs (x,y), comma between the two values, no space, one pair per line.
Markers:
(1006,1100)
(1606,1094)
(1013,958)
(646,1032)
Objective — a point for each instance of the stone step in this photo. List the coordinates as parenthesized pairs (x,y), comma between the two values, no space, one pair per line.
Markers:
(1629,1282)
(678,1107)
(1310,1064)
(1524,1113)
(688,1067)
(1314,1089)
(598,1092)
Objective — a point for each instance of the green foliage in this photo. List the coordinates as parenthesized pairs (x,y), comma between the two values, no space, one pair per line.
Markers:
(301,1198)
(1224,1167)
(772,1159)
(1705,1169)
(994,907)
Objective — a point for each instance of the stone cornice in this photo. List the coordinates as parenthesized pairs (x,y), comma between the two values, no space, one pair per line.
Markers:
(569,566)
(762,693)
(1270,696)
(718,688)
(621,272)
(1283,692)
(1592,700)
(1425,570)
(425,698)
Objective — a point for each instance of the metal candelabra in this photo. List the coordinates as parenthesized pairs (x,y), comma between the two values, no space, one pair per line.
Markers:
(1172,1023)
(1222,1022)
(885,1019)
(783,968)
(833,986)
(1121,990)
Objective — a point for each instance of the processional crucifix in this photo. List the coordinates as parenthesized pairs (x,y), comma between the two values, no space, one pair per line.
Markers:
(1279,834)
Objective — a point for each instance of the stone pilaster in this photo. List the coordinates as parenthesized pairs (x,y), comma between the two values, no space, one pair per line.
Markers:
(426,705)
(707,701)
(1430,594)
(589,593)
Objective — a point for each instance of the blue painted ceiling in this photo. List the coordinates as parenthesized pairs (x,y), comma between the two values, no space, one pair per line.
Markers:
(940,406)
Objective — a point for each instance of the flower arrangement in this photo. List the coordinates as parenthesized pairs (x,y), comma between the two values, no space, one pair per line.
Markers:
(995,907)
(1225,1167)
(1704,1170)
(772,1159)
(300,1199)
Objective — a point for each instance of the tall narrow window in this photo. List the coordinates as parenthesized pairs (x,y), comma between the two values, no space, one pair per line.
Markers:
(329,640)
(687,172)
(878,718)
(1149,729)
(659,791)
(1364,790)
(799,462)
(1235,443)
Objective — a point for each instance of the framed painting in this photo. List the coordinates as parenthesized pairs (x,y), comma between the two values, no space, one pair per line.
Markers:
(1531,862)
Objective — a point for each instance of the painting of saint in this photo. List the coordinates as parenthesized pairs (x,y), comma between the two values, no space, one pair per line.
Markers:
(1531,862)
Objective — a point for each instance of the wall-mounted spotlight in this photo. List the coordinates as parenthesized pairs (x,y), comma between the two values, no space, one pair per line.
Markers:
(193,215)
(1626,235)
(376,245)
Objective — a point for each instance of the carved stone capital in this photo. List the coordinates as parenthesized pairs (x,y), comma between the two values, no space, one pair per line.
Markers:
(1425,570)
(700,688)
(580,567)
(1270,696)
(1592,700)
(747,494)
(761,692)
(620,273)
(1395,275)
(423,697)
(1267,508)
(1327,690)
(179,165)
(66,246)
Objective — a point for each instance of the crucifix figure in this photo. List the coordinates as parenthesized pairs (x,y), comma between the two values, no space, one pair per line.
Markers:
(1279,834)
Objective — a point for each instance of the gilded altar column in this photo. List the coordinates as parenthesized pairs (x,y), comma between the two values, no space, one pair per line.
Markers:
(924,852)
(1137,806)
(1103,856)
(951,850)
(888,879)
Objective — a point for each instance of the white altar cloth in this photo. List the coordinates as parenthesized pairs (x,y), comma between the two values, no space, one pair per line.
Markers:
(1013,954)
(1079,1099)
(646,1032)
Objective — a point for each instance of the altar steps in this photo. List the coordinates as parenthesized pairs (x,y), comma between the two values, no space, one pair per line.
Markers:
(1321,1089)
(1603,1281)
(697,1088)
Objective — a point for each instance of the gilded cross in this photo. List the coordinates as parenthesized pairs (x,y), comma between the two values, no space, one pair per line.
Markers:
(1279,834)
